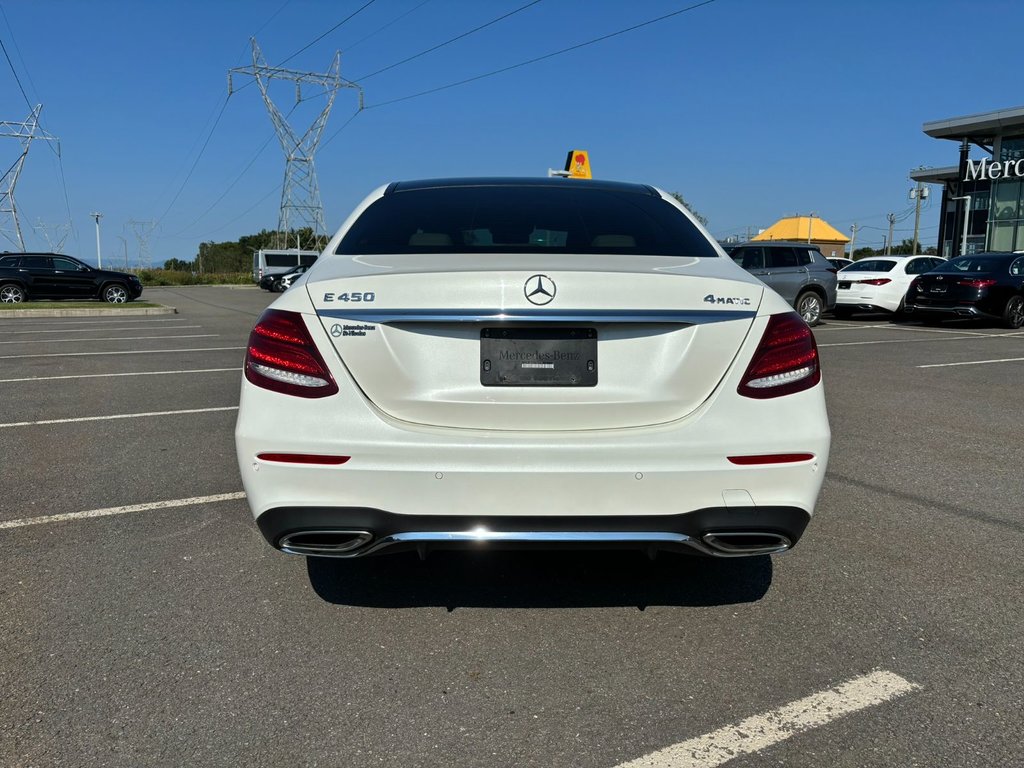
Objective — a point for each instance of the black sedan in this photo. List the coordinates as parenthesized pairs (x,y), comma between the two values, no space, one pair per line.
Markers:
(982,285)
(56,276)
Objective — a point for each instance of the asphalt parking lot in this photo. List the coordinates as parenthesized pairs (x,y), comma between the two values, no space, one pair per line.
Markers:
(146,622)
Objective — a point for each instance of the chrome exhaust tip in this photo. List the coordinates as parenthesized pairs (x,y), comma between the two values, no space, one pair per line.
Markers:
(324,543)
(742,543)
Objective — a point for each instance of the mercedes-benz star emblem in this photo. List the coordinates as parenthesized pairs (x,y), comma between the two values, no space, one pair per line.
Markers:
(539,289)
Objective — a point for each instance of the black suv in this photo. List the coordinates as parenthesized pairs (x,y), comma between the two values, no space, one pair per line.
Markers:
(56,276)
(797,271)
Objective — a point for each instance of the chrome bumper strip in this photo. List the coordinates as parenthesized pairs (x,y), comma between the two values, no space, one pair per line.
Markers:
(715,545)
(679,317)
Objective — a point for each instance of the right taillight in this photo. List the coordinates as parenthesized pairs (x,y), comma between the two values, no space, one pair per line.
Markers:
(786,360)
(977,282)
(282,357)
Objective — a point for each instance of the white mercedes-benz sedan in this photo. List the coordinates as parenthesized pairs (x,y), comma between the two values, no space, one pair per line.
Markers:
(530,362)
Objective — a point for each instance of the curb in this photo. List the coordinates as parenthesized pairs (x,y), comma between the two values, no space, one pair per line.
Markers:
(136,312)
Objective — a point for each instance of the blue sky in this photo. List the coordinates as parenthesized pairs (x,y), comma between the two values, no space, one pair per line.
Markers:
(751,109)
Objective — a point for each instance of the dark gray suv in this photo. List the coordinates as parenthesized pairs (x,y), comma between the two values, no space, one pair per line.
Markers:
(796,271)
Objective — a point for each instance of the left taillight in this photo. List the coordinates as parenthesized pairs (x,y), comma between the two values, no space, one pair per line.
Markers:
(786,360)
(283,358)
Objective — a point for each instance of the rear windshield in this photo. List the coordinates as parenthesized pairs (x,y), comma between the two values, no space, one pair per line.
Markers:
(974,264)
(524,220)
(871,265)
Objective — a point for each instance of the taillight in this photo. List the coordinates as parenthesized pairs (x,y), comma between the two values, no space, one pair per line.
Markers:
(977,282)
(874,281)
(786,360)
(916,285)
(282,357)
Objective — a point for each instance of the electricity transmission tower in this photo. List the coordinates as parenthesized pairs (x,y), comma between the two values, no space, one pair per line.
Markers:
(25,131)
(55,241)
(300,195)
(142,230)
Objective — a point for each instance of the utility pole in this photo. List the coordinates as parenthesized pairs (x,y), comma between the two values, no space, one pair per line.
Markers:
(24,131)
(919,193)
(853,239)
(300,194)
(888,243)
(99,256)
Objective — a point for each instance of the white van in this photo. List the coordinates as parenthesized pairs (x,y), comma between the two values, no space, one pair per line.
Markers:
(271,262)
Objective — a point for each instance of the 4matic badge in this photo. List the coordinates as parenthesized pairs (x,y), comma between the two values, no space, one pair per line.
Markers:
(735,300)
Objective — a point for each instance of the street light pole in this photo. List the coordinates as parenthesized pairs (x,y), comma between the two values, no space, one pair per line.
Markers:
(853,240)
(99,256)
(967,214)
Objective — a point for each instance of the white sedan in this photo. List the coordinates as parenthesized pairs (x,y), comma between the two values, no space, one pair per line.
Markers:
(879,283)
(530,362)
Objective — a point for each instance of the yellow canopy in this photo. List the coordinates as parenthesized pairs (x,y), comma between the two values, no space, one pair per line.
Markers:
(803,228)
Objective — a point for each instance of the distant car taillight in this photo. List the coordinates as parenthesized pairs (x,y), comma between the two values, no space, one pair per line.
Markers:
(786,360)
(874,281)
(977,282)
(282,357)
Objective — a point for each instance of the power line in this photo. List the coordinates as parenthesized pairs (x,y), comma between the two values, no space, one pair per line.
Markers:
(196,161)
(15,73)
(329,31)
(546,56)
(381,29)
(448,42)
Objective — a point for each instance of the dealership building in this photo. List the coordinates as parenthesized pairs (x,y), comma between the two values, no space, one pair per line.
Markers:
(982,206)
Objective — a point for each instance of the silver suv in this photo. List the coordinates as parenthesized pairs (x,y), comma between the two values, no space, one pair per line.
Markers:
(796,271)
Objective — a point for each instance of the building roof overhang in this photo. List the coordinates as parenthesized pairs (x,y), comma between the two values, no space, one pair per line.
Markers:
(936,175)
(980,128)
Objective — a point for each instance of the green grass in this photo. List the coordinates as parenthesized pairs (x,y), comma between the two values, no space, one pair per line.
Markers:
(76,305)
(155,277)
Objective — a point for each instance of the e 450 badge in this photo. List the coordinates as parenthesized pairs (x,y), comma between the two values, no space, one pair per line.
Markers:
(363,296)
(735,300)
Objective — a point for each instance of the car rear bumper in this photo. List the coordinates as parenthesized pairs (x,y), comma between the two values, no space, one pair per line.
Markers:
(358,531)
(957,310)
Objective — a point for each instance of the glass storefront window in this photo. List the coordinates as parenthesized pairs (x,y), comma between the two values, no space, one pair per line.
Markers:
(1005,200)
(1011,149)
(1001,236)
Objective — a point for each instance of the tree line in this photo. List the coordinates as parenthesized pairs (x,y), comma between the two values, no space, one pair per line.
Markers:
(236,255)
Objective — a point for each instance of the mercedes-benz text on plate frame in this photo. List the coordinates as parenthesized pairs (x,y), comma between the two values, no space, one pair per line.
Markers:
(463,339)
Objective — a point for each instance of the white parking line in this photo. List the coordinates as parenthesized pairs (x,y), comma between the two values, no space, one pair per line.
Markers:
(973,362)
(115,338)
(108,375)
(128,352)
(105,328)
(23,322)
(22,522)
(762,731)
(893,341)
(116,416)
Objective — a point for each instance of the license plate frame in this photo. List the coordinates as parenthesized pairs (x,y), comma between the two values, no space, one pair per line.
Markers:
(538,357)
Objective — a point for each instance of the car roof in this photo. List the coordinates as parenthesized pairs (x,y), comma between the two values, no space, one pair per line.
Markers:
(523,183)
(789,243)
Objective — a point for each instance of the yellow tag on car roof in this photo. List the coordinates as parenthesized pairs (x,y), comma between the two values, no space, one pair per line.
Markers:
(578,164)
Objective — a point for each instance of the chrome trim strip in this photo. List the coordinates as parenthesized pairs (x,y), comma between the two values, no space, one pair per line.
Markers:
(653,538)
(677,316)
